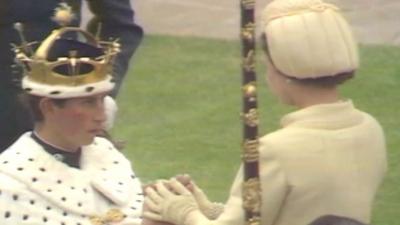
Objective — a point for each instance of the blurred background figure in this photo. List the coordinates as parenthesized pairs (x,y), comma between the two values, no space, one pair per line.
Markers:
(39,18)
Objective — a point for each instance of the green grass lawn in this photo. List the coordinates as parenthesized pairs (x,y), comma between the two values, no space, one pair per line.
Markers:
(180,106)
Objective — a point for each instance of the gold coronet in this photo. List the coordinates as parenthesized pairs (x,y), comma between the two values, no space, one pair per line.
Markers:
(39,69)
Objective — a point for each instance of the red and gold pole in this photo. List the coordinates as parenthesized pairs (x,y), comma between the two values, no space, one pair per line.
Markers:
(251,185)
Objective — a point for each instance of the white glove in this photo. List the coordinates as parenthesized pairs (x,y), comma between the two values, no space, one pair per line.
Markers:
(174,204)
(211,210)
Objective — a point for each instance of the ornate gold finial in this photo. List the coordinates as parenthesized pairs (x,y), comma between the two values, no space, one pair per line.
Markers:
(63,14)
(250,91)
(24,44)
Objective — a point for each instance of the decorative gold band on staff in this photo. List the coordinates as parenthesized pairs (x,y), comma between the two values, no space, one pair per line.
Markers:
(250,155)
(250,151)
(251,195)
(249,61)
(251,118)
(248,32)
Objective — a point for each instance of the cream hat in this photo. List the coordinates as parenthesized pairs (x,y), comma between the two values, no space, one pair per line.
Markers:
(309,39)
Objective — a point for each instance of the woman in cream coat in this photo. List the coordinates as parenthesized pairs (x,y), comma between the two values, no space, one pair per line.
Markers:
(328,157)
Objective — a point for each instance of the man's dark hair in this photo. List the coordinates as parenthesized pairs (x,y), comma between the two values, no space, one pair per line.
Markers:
(32,103)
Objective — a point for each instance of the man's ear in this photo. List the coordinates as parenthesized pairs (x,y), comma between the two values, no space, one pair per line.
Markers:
(46,106)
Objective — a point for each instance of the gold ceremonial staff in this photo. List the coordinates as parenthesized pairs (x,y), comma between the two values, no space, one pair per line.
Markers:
(251,185)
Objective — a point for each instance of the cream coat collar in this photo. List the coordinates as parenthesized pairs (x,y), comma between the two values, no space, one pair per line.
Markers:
(326,116)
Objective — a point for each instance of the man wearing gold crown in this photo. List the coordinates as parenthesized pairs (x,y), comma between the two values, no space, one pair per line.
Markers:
(39,19)
(61,172)
(327,158)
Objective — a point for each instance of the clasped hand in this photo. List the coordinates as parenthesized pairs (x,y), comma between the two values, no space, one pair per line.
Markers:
(169,201)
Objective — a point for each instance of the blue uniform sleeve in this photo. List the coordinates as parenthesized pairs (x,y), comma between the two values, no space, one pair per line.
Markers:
(117,22)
